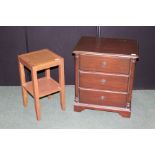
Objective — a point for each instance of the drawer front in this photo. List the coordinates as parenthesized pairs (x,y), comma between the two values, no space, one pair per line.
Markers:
(102,98)
(104,64)
(103,82)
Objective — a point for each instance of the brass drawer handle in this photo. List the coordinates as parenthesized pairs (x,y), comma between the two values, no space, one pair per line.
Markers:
(102,98)
(103,81)
(104,64)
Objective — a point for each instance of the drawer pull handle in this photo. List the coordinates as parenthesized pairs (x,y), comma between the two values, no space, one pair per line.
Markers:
(102,98)
(103,81)
(104,64)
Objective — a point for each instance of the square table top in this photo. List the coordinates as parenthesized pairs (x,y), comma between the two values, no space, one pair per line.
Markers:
(39,57)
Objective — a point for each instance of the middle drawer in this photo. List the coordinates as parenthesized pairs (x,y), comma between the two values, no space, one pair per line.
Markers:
(103,81)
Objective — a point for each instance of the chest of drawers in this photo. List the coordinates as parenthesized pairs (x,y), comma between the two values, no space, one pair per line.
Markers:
(104,73)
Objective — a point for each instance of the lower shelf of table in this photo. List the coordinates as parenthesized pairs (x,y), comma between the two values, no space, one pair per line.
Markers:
(46,86)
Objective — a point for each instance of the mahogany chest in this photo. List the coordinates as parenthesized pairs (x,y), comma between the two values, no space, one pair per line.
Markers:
(104,74)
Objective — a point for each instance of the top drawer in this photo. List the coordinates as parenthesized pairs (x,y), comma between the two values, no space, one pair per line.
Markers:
(104,64)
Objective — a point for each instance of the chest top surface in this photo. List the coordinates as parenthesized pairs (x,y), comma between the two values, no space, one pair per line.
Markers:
(107,45)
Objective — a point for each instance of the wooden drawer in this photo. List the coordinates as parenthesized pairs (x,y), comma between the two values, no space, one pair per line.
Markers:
(103,82)
(104,64)
(102,98)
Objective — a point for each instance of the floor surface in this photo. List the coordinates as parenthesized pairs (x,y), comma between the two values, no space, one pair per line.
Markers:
(14,116)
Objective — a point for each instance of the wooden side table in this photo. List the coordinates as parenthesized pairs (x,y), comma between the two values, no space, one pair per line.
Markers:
(41,60)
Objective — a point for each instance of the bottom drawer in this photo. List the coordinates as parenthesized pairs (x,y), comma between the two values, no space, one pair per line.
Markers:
(102,98)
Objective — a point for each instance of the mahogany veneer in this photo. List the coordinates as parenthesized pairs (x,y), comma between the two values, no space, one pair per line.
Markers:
(103,81)
(104,74)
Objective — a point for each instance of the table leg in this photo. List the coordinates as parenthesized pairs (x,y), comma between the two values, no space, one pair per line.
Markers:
(48,75)
(36,94)
(23,81)
(62,84)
